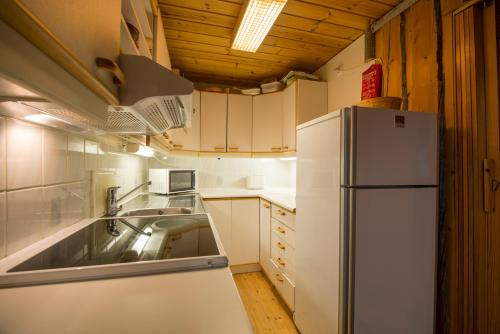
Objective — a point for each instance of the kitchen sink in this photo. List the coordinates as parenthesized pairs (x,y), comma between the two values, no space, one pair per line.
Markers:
(159,242)
(157,212)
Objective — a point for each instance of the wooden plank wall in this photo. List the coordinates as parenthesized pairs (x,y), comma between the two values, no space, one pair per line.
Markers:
(420,57)
(463,307)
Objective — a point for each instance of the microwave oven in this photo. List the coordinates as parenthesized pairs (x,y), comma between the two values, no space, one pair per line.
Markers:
(172,181)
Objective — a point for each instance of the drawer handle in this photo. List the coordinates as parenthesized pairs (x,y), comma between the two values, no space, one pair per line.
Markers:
(281,229)
(111,66)
(280,245)
(266,205)
(281,212)
(279,278)
(281,262)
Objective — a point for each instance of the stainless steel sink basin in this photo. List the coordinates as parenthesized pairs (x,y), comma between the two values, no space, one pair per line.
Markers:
(157,212)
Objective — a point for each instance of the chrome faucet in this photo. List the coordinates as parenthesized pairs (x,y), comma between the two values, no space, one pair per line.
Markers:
(112,209)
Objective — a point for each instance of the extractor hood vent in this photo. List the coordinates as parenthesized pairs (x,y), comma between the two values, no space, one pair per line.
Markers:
(153,99)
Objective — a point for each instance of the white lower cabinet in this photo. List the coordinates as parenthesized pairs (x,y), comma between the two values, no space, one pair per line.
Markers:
(244,231)
(237,222)
(220,211)
(265,236)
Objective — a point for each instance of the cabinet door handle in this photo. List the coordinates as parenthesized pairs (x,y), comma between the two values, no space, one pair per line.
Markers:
(266,205)
(178,146)
(219,148)
(281,212)
(281,262)
(276,149)
(281,229)
(280,245)
(285,147)
(233,148)
(176,237)
(279,278)
(109,65)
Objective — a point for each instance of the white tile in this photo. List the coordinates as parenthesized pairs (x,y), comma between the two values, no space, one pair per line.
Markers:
(91,155)
(25,218)
(55,156)
(76,158)
(77,203)
(3,225)
(3,163)
(64,205)
(24,154)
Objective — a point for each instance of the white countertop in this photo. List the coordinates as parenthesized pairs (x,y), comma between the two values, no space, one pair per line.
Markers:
(205,301)
(284,197)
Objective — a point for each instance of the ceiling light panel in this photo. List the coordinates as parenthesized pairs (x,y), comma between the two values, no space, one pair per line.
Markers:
(257,20)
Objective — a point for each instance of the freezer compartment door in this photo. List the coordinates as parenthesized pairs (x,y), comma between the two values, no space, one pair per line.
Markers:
(393,258)
(390,147)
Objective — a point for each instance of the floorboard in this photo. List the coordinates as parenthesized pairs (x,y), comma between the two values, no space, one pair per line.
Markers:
(265,309)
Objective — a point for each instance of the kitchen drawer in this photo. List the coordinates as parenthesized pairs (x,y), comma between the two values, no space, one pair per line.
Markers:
(275,276)
(282,248)
(284,232)
(288,292)
(284,216)
(286,266)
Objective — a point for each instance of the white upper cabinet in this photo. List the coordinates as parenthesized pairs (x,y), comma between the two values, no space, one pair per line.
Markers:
(267,122)
(213,122)
(239,123)
(303,101)
(188,139)
(88,29)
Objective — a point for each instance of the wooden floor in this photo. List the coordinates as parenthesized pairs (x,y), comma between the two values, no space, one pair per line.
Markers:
(266,311)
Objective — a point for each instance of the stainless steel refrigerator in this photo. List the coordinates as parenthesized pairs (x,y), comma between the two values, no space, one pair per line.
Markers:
(367,222)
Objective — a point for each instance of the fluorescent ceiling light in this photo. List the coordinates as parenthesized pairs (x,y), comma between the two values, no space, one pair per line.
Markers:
(257,20)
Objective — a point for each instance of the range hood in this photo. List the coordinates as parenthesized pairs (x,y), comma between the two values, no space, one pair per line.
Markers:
(151,96)
(151,99)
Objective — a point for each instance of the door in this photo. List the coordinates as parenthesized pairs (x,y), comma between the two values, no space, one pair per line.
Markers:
(239,123)
(244,231)
(473,218)
(213,122)
(188,139)
(267,122)
(392,252)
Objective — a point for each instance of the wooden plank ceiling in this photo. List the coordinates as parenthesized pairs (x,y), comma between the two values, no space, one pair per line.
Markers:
(305,36)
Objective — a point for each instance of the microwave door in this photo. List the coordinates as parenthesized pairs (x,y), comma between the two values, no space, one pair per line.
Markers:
(181,181)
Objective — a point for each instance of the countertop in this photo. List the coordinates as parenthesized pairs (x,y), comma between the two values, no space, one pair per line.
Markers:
(204,301)
(283,197)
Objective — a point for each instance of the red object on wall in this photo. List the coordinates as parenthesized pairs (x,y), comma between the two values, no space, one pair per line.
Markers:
(372,82)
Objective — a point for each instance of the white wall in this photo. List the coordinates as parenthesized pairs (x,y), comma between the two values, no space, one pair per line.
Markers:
(232,172)
(343,73)
(45,178)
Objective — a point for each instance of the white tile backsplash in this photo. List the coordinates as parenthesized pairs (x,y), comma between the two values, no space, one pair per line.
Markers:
(55,157)
(3,158)
(49,175)
(76,158)
(3,225)
(232,172)
(24,155)
(25,218)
